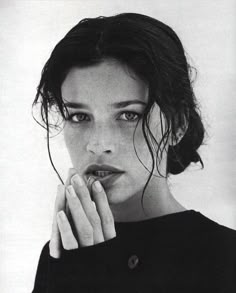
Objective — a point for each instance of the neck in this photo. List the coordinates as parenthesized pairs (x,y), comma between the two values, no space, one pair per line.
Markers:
(157,201)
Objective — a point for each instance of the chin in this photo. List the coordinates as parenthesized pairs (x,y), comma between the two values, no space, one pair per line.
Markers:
(114,196)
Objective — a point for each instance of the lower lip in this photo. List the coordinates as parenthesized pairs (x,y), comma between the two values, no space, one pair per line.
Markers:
(109,179)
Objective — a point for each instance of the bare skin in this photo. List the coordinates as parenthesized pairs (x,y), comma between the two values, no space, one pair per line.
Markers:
(78,221)
(105,137)
(93,221)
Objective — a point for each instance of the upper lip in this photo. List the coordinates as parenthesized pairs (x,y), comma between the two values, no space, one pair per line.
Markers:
(95,167)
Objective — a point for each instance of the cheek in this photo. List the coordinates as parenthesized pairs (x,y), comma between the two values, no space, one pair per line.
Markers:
(122,140)
(68,137)
(120,137)
(73,141)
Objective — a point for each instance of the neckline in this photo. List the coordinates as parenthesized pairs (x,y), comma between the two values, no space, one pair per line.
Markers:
(172,216)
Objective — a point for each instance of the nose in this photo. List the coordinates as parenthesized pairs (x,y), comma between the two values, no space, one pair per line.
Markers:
(100,143)
(99,149)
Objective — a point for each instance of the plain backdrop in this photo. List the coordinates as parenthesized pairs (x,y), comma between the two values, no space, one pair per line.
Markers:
(29,30)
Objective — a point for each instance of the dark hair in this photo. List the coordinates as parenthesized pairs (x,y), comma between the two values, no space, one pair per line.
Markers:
(153,51)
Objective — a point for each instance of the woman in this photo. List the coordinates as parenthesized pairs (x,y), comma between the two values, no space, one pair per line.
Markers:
(123,88)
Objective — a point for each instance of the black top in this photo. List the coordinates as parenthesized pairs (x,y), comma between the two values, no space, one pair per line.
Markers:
(180,252)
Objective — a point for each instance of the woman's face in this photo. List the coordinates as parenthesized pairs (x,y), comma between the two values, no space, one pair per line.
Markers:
(104,102)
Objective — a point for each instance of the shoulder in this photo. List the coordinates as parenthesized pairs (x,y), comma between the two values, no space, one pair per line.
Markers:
(214,228)
(214,235)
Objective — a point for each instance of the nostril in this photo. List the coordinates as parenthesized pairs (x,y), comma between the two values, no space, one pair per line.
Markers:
(99,148)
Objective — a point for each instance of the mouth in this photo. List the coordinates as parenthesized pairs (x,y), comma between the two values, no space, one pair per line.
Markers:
(101,171)
(99,175)
(105,177)
(106,174)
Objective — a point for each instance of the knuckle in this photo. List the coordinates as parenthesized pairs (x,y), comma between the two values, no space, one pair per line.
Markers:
(87,232)
(95,220)
(87,238)
(107,219)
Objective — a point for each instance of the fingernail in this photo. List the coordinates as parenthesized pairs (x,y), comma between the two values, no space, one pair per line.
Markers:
(90,180)
(98,186)
(61,216)
(70,191)
(77,179)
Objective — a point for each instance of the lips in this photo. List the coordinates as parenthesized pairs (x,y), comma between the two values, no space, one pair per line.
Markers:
(102,170)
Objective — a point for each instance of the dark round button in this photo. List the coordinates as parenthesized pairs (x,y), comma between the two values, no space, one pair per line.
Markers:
(133,262)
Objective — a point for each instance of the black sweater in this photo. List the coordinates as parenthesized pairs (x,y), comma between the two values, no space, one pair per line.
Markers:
(181,252)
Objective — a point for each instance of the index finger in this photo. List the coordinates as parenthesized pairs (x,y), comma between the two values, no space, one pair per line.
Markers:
(71,173)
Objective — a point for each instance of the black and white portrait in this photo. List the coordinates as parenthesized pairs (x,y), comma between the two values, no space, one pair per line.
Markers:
(117,146)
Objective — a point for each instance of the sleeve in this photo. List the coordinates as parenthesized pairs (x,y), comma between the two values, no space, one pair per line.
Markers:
(80,270)
(41,279)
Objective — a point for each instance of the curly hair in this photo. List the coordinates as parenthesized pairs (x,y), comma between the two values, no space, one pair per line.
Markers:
(153,51)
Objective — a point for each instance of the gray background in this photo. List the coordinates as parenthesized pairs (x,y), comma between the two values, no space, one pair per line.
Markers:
(28,32)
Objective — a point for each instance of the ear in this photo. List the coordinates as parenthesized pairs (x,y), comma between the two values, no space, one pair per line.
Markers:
(175,139)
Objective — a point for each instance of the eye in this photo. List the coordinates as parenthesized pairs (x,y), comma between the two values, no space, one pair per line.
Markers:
(77,117)
(130,116)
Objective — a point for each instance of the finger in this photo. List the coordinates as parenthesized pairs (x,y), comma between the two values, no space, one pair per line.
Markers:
(89,183)
(71,172)
(55,241)
(82,225)
(89,208)
(104,211)
(68,240)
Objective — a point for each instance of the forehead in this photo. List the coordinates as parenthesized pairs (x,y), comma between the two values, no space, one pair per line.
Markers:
(105,82)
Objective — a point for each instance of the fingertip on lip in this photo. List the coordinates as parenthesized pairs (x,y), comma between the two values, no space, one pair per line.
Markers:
(91,181)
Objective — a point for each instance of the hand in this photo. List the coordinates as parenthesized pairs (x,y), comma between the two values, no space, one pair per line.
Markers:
(92,220)
(55,244)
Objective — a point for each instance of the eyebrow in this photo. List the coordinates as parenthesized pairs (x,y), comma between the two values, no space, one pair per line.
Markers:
(117,105)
